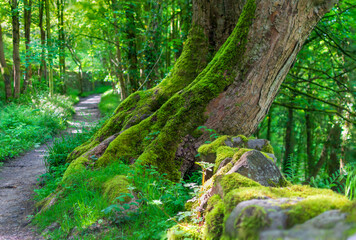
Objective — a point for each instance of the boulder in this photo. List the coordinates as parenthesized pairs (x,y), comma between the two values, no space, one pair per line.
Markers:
(259,168)
(267,219)
(328,225)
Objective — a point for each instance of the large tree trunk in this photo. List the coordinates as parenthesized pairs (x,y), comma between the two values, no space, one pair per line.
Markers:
(232,94)
(5,71)
(16,47)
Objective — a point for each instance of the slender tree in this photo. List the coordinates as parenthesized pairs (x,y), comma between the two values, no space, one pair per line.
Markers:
(49,48)
(43,67)
(5,71)
(16,46)
(27,20)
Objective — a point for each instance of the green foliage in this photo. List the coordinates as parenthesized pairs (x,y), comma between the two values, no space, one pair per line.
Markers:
(109,102)
(350,185)
(23,126)
(82,202)
(55,159)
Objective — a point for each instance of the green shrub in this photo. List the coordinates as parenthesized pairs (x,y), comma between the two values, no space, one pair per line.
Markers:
(30,121)
(109,102)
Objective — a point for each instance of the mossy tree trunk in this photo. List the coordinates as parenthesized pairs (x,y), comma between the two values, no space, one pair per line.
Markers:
(230,93)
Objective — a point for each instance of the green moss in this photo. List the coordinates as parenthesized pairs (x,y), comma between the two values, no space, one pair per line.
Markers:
(215,222)
(266,155)
(251,220)
(75,166)
(335,201)
(116,186)
(235,159)
(350,209)
(267,148)
(184,231)
(222,153)
(233,181)
(312,207)
(244,138)
(44,203)
(212,147)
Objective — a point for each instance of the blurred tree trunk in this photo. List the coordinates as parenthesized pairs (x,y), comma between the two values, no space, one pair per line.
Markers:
(49,48)
(27,19)
(132,49)
(269,125)
(288,143)
(16,47)
(43,67)
(310,142)
(333,164)
(61,42)
(5,71)
(119,68)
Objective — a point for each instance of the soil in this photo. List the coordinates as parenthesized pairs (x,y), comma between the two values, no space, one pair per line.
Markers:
(18,178)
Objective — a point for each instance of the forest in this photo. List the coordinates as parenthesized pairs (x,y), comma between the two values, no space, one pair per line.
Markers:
(181,119)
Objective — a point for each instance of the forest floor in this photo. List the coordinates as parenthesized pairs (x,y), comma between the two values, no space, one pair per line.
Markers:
(18,177)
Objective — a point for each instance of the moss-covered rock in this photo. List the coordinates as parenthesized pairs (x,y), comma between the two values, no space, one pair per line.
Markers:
(214,220)
(249,223)
(75,166)
(116,187)
(226,183)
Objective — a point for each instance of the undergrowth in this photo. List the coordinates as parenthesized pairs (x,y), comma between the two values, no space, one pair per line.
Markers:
(55,159)
(83,211)
(109,102)
(30,121)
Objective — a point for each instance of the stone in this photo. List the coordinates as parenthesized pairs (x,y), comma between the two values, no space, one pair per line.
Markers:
(256,166)
(328,225)
(276,216)
(257,144)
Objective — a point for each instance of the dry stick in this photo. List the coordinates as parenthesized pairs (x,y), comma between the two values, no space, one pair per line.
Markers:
(150,71)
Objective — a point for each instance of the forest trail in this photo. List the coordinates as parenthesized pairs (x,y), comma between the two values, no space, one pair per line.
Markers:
(18,177)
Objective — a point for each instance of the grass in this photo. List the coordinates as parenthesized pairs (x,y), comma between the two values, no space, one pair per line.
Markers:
(109,102)
(30,121)
(82,204)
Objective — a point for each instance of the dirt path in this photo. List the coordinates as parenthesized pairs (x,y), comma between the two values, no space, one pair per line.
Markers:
(18,178)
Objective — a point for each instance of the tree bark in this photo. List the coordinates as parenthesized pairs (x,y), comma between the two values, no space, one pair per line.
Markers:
(27,19)
(5,71)
(232,94)
(132,49)
(61,41)
(269,126)
(43,67)
(119,69)
(49,49)
(16,47)
(310,142)
(288,143)
(333,164)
